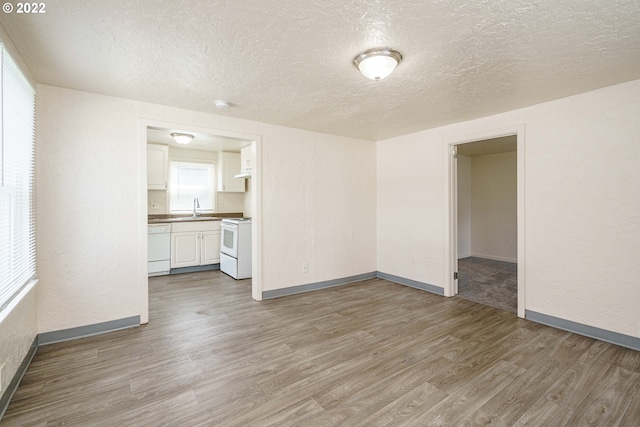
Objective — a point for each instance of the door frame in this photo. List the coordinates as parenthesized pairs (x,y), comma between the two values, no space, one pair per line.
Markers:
(451,217)
(256,204)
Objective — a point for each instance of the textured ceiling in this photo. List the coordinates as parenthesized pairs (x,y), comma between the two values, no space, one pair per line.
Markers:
(289,62)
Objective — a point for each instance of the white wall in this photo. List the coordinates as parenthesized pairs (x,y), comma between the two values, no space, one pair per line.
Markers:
(159,197)
(410,203)
(582,196)
(246,204)
(464,206)
(230,202)
(249,152)
(582,204)
(318,204)
(494,220)
(87,169)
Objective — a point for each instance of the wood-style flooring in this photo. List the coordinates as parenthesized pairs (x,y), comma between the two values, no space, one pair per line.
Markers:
(371,353)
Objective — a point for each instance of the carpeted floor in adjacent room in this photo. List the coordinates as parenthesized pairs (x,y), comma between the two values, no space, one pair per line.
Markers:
(489,282)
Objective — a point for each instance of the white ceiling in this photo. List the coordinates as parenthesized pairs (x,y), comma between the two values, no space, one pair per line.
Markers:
(289,62)
(201,141)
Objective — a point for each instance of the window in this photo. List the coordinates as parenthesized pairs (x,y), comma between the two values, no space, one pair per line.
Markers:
(188,181)
(17,162)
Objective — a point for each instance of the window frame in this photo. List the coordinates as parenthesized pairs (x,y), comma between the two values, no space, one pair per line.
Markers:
(17,180)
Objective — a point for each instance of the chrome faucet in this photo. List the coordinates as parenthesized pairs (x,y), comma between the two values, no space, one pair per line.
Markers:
(196,204)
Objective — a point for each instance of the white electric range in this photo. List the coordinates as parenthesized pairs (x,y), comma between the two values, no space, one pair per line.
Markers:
(235,247)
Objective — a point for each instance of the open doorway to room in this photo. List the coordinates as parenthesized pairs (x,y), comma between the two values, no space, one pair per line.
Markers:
(487,222)
(194,192)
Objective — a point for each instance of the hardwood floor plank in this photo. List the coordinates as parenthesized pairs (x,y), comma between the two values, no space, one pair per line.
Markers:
(63,410)
(629,360)
(607,403)
(632,414)
(513,401)
(407,408)
(489,348)
(538,347)
(298,413)
(577,382)
(469,398)
(544,413)
(384,373)
(368,353)
(387,387)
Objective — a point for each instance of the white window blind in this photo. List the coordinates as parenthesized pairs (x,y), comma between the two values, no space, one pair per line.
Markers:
(188,181)
(17,162)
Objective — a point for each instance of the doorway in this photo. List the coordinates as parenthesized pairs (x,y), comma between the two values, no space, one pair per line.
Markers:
(205,148)
(452,249)
(487,222)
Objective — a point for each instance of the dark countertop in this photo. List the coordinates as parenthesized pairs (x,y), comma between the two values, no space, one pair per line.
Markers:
(169,218)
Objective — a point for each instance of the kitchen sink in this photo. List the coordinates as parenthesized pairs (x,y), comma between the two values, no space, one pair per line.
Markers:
(192,218)
(185,219)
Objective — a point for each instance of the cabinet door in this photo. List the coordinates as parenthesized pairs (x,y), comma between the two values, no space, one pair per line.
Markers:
(210,248)
(245,159)
(229,167)
(157,166)
(185,249)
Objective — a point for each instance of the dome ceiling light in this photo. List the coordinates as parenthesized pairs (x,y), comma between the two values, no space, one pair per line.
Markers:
(377,63)
(182,138)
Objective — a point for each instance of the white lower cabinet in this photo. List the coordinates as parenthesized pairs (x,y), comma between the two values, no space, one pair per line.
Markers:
(210,247)
(195,243)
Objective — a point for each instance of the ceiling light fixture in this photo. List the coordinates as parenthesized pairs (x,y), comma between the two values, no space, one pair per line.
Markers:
(222,105)
(182,138)
(377,63)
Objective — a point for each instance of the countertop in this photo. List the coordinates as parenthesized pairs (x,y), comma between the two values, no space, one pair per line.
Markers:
(167,218)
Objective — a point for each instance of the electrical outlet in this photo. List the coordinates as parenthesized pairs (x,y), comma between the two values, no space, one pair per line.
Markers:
(155,206)
(305,267)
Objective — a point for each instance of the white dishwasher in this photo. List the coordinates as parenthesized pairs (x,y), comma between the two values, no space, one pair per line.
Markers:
(159,247)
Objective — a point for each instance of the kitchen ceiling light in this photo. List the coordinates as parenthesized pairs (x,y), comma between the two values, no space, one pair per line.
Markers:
(182,138)
(377,63)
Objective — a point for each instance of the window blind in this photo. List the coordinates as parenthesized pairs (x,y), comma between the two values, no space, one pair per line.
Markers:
(189,180)
(17,164)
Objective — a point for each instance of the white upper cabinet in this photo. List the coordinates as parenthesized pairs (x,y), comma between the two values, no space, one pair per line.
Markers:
(157,166)
(228,168)
(245,159)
